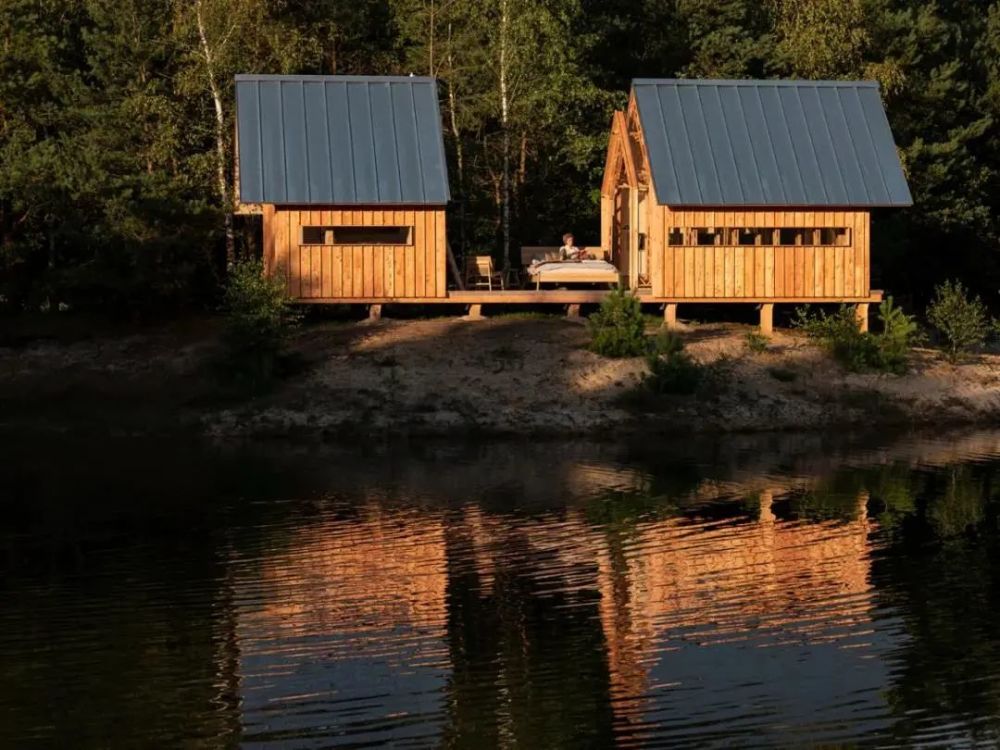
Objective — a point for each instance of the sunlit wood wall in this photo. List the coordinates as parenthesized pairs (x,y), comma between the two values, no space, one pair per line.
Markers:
(330,272)
(757,271)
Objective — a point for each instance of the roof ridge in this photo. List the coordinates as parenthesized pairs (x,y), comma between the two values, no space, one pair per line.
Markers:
(332,78)
(796,82)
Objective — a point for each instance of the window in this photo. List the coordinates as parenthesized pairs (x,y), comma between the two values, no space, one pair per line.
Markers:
(832,236)
(792,236)
(751,236)
(357,235)
(767,236)
(314,235)
(708,236)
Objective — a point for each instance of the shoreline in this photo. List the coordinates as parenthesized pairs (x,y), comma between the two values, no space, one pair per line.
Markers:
(514,376)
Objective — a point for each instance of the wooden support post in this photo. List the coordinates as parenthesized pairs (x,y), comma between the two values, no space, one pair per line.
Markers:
(374,313)
(767,318)
(670,315)
(475,312)
(862,313)
(573,312)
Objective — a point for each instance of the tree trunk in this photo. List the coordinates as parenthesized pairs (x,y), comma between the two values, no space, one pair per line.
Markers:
(459,162)
(220,139)
(505,126)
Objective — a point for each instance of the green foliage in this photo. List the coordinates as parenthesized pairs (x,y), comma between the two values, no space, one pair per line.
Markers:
(671,369)
(618,329)
(838,333)
(899,333)
(110,150)
(756,343)
(858,351)
(258,318)
(961,319)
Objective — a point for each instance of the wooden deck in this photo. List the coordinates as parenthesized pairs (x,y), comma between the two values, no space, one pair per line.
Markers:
(577,297)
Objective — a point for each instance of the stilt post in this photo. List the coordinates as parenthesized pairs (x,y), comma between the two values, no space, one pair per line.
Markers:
(670,315)
(862,314)
(767,318)
(475,312)
(374,313)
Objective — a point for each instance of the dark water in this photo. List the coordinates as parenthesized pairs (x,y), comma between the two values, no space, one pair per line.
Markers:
(740,592)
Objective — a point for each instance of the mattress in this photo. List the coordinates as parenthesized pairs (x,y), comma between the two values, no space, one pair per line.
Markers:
(601,270)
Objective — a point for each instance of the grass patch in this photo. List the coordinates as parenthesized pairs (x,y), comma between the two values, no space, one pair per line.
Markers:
(756,343)
(525,315)
(673,374)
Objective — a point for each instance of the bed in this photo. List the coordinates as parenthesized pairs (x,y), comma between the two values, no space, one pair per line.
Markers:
(573,272)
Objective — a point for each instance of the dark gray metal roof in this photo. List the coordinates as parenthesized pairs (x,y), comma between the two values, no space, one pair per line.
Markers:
(340,140)
(769,143)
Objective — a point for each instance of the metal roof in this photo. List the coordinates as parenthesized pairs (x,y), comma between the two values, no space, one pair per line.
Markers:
(769,143)
(340,140)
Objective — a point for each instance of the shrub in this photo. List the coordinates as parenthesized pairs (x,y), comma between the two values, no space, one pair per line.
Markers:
(899,333)
(258,318)
(671,369)
(617,329)
(756,342)
(839,334)
(858,350)
(960,319)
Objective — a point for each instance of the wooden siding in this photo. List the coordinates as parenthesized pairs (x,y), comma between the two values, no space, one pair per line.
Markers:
(706,272)
(361,272)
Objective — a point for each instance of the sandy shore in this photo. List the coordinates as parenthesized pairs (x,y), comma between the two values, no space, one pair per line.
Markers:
(510,375)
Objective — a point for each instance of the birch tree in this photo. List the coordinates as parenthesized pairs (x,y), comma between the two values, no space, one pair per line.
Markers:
(222,38)
(444,39)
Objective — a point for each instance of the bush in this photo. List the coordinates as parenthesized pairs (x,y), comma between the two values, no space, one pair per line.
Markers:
(899,333)
(858,350)
(671,369)
(838,333)
(756,342)
(962,321)
(618,329)
(258,318)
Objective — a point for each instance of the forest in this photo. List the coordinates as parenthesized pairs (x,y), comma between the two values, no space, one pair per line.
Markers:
(116,122)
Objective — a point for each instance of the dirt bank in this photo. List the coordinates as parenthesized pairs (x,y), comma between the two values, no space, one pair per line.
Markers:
(500,375)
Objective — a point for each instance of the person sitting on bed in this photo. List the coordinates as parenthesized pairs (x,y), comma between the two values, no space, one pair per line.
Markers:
(569,251)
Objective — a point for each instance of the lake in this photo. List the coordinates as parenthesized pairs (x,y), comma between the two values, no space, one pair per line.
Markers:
(740,591)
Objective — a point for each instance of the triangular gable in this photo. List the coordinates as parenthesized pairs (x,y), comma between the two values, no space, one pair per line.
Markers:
(619,158)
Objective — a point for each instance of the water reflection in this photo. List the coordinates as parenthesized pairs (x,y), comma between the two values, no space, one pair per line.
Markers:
(754,591)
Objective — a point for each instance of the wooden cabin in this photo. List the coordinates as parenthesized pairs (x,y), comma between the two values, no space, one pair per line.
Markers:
(349,174)
(748,191)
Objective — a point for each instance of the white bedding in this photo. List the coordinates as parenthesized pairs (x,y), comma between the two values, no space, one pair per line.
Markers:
(596,267)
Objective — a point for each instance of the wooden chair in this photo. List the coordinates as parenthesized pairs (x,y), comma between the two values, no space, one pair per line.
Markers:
(479,273)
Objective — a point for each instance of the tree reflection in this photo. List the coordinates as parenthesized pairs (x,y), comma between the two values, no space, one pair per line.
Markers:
(528,657)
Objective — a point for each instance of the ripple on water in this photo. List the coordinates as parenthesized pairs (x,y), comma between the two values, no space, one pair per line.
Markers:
(530,597)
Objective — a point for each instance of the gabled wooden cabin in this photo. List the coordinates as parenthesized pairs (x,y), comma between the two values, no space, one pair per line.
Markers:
(349,173)
(748,191)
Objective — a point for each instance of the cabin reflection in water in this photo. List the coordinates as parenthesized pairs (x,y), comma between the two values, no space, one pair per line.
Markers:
(406,603)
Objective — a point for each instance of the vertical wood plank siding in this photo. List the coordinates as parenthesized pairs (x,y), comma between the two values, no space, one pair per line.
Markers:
(357,271)
(759,271)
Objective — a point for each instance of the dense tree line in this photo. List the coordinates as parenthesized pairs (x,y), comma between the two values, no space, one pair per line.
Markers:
(116,120)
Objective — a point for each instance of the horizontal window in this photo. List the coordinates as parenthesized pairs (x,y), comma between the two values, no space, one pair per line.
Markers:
(357,235)
(729,236)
